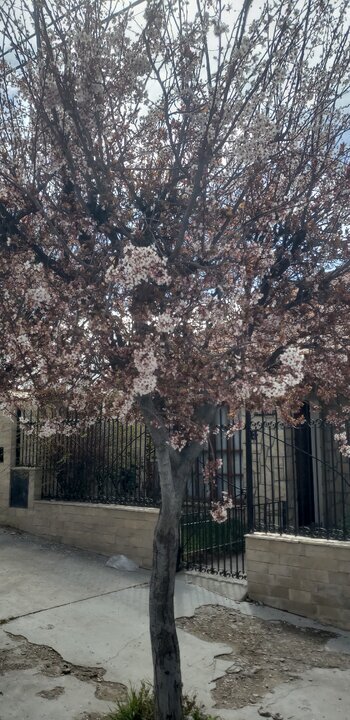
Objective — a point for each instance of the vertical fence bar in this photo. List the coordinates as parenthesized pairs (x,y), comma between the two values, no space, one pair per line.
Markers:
(136,491)
(256,485)
(145,467)
(326,499)
(280,508)
(309,460)
(239,536)
(272,483)
(343,497)
(104,460)
(249,471)
(295,488)
(334,492)
(18,437)
(266,504)
(286,475)
(317,475)
(222,538)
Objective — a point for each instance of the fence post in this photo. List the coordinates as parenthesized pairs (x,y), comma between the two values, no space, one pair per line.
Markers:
(7,460)
(249,470)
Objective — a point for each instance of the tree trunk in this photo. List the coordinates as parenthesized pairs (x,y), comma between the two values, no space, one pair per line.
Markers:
(174,468)
(165,647)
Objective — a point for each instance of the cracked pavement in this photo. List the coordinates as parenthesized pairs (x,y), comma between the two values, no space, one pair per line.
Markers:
(74,635)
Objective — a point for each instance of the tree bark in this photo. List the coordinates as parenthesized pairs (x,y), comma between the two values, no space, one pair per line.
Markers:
(174,468)
(165,647)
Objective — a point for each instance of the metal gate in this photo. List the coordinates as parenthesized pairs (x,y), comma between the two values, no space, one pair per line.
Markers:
(280,478)
(206,545)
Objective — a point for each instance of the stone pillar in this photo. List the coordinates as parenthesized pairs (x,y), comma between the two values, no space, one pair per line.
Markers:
(35,481)
(7,458)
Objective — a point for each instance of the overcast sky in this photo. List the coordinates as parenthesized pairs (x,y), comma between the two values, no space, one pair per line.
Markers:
(116,5)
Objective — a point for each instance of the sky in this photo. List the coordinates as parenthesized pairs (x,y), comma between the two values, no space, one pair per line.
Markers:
(117,5)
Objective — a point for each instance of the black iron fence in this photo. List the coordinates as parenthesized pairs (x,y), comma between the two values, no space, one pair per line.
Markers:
(106,462)
(300,480)
(206,545)
(278,478)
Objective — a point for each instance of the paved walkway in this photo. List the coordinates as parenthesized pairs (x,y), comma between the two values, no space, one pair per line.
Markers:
(86,615)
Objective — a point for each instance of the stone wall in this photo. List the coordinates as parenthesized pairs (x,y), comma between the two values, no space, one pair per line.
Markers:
(307,576)
(107,529)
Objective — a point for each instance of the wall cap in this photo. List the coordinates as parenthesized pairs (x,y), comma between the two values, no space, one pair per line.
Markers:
(109,506)
(26,467)
(299,539)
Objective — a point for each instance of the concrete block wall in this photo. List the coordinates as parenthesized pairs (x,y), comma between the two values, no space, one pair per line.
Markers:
(107,529)
(307,576)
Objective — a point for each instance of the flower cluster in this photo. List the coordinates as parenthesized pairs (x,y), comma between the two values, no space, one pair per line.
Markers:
(146,365)
(291,373)
(235,427)
(49,428)
(219,509)
(211,469)
(145,382)
(38,296)
(165,323)
(139,264)
(344,443)
(177,441)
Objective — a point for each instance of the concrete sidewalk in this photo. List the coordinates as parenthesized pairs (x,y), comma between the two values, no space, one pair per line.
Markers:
(91,622)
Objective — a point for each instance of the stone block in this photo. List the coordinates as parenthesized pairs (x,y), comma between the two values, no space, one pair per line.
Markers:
(261,556)
(257,576)
(279,569)
(278,591)
(339,617)
(290,582)
(258,591)
(296,607)
(300,596)
(343,566)
(339,578)
(284,544)
(313,576)
(325,599)
(311,563)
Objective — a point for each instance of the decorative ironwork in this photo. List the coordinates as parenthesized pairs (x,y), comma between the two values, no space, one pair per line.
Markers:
(289,480)
(208,546)
(108,462)
(279,478)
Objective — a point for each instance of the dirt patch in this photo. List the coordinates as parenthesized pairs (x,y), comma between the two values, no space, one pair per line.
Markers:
(110,691)
(23,654)
(51,694)
(264,653)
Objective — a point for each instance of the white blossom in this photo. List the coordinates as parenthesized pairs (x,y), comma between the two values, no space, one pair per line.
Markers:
(139,264)
(38,295)
(344,444)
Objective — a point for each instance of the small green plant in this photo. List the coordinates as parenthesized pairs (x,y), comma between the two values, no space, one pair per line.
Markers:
(139,705)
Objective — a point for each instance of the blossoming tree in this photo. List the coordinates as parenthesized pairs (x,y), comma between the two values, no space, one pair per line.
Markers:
(174,200)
